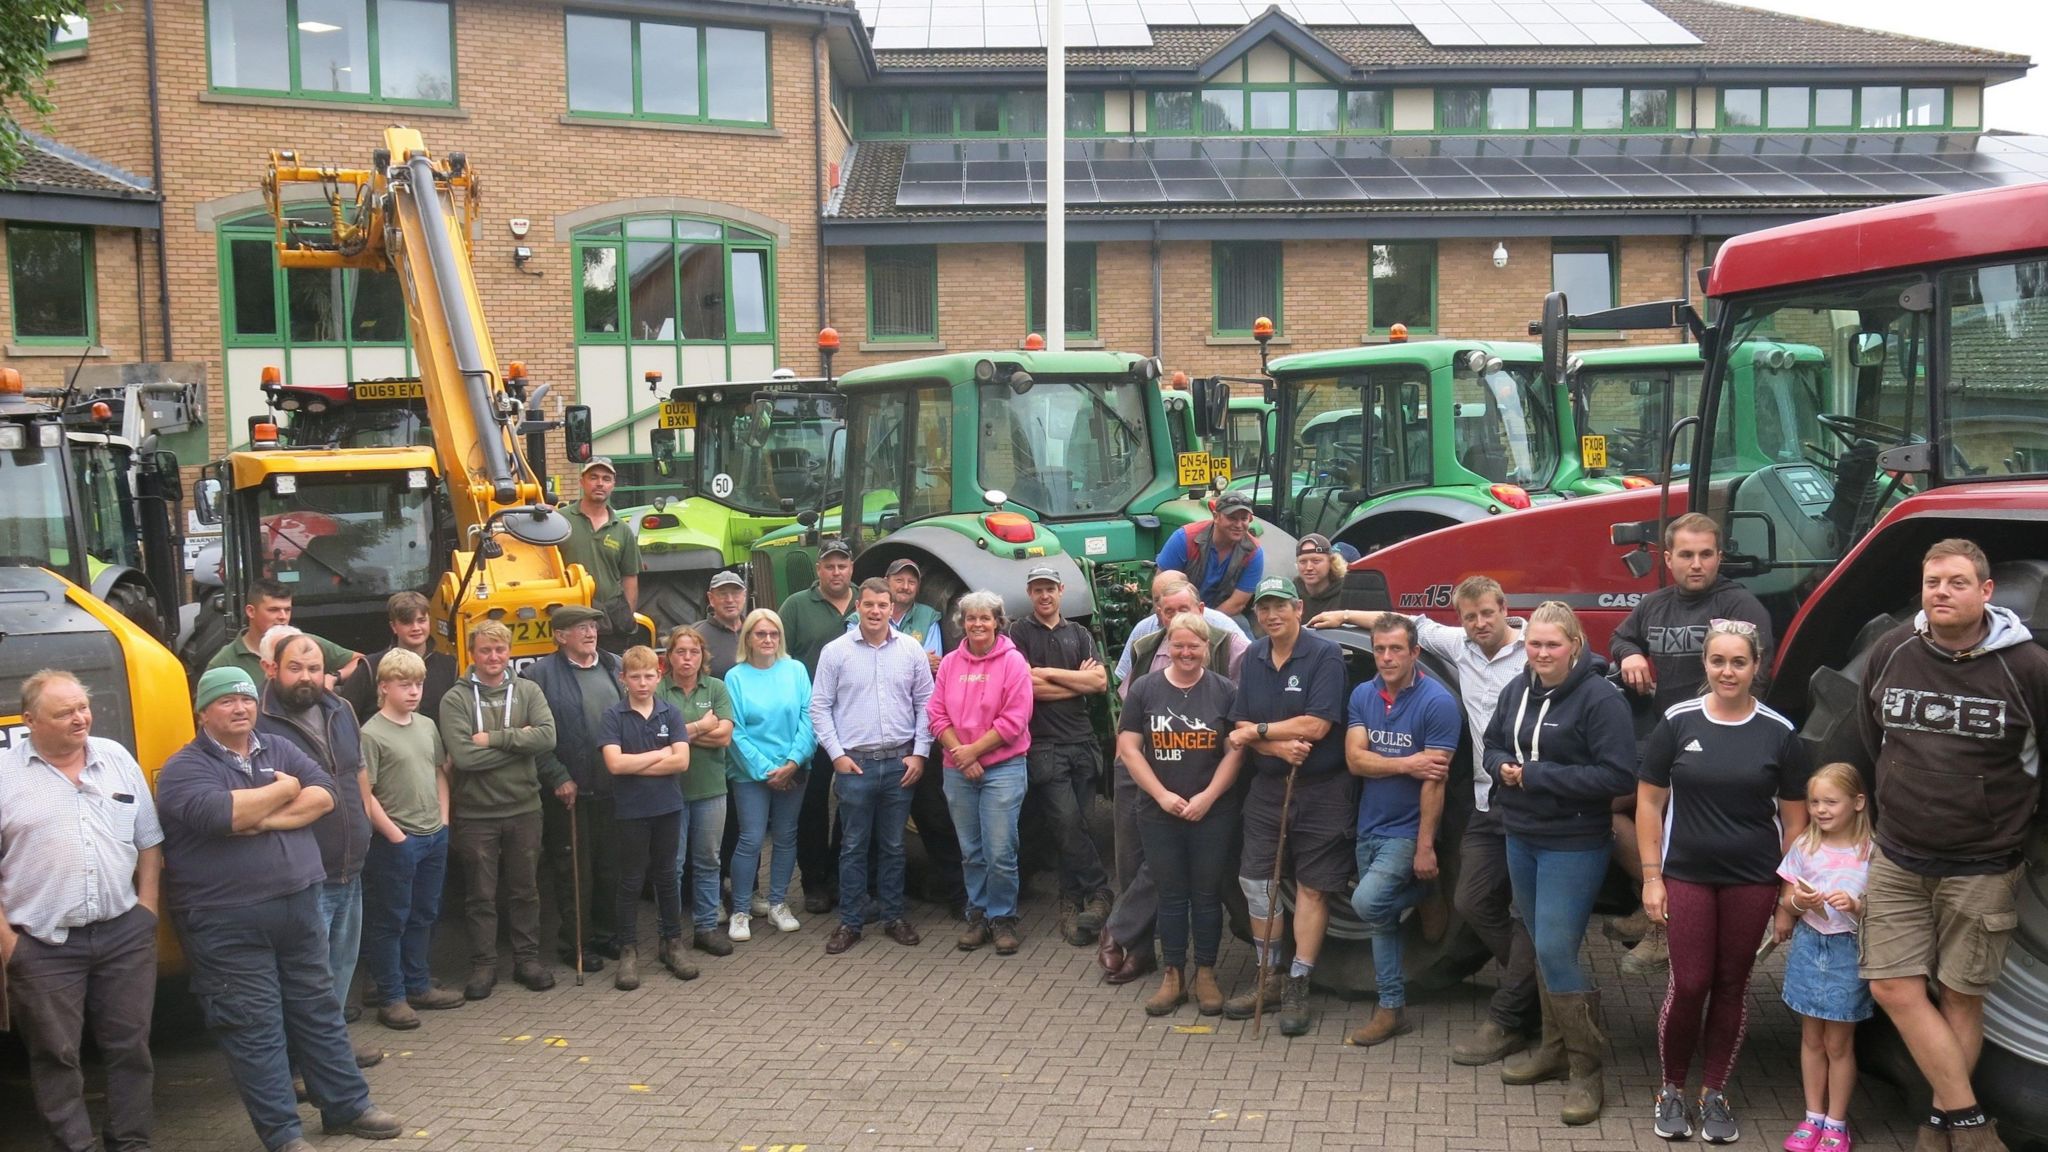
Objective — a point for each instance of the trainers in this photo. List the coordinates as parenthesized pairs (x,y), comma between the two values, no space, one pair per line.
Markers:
(437,998)
(1650,956)
(1004,930)
(714,943)
(398,1016)
(780,917)
(1294,1017)
(1675,1123)
(759,906)
(1805,1138)
(1717,1120)
(975,934)
(1832,1141)
(741,929)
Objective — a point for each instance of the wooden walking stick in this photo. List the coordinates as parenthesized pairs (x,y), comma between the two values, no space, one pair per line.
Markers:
(1272,907)
(576,886)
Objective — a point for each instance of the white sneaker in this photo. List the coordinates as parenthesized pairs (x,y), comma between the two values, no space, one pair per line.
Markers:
(760,906)
(784,922)
(741,927)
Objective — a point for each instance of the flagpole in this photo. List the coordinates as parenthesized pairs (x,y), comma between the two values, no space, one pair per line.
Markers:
(1055,176)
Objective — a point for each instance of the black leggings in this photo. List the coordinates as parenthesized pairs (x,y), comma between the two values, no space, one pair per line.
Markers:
(644,841)
(1190,863)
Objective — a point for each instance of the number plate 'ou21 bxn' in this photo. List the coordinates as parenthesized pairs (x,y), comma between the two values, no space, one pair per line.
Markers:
(678,414)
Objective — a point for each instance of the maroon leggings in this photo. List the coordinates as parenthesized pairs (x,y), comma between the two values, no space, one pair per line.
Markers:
(1713,933)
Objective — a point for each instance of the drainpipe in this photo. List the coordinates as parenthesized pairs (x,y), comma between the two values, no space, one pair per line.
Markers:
(141,305)
(1158,297)
(156,165)
(1685,260)
(821,114)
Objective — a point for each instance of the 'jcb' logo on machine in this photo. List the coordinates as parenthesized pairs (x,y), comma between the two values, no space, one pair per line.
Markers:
(1977,717)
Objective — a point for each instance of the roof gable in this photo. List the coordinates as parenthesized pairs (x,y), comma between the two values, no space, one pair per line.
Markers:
(1274,26)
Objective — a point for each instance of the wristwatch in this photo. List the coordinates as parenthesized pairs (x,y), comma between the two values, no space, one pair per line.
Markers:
(1262,730)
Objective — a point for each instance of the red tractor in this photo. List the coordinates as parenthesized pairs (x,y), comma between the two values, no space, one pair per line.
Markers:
(1929,420)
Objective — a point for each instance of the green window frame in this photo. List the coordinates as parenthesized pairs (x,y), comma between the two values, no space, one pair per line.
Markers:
(68,37)
(1796,108)
(50,285)
(611,298)
(618,84)
(292,40)
(265,305)
(1241,271)
(1367,111)
(903,293)
(1081,288)
(1540,110)
(1306,108)
(1401,260)
(1609,250)
(927,114)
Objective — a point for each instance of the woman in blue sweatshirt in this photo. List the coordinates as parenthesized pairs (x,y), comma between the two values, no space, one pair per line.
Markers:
(1560,749)
(771,749)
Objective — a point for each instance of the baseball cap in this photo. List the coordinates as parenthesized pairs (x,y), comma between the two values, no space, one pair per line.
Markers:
(1232,502)
(834,544)
(1275,587)
(604,462)
(1313,544)
(1043,572)
(570,615)
(226,680)
(728,579)
(903,565)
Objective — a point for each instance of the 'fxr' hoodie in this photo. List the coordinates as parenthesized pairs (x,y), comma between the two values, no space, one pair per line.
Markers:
(977,693)
(1956,739)
(1576,744)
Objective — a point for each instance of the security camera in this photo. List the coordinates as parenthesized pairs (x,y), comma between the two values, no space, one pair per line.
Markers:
(1500,255)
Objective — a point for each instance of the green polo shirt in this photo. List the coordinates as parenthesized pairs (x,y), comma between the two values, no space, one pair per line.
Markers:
(706,777)
(236,654)
(809,622)
(610,553)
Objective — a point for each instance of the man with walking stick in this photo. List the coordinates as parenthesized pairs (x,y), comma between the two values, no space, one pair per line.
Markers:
(1297,818)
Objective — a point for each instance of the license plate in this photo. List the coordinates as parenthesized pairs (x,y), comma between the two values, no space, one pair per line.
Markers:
(534,631)
(1193,468)
(1593,451)
(678,414)
(390,390)
(1219,468)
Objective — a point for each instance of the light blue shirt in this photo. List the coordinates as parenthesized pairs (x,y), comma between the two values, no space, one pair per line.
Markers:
(68,851)
(930,639)
(872,695)
(1480,681)
(771,719)
(1150,624)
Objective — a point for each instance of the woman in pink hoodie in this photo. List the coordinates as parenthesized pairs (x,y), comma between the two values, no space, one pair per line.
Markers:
(981,717)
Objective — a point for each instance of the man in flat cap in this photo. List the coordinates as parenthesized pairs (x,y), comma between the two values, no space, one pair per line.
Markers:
(581,682)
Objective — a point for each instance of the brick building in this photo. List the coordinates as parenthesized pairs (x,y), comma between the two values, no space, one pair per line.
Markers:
(705,182)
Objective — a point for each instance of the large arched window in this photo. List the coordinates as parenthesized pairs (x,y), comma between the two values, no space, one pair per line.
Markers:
(690,298)
(319,326)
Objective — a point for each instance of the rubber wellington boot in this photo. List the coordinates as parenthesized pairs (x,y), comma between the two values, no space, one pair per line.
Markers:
(1542,1061)
(1585,1046)
(1172,993)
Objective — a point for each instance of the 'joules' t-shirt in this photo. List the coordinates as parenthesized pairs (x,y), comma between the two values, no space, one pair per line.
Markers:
(1721,820)
(639,797)
(1181,732)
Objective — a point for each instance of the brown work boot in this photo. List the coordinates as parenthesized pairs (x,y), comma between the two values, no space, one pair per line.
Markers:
(1004,930)
(1543,1061)
(437,998)
(671,957)
(1651,955)
(1094,914)
(1487,1043)
(368,1055)
(1627,929)
(398,1016)
(1931,1139)
(1242,1005)
(1976,1138)
(1208,996)
(482,979)
(373,1124)
(1585,1047)
(1294,1017)
(1172,993)
(975,934)
(626,977)
(534,975)
(1069,923)
(1386,1023)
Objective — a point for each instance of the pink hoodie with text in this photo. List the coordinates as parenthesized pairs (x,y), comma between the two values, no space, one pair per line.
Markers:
(977,693)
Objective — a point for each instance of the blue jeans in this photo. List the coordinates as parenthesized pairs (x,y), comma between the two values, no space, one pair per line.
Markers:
(985,817)
(1191,862)
(703,829)
(261,975)
(1386,888)
(873,806)
(401,903)
(765,813)
(1554,891)
(341,905)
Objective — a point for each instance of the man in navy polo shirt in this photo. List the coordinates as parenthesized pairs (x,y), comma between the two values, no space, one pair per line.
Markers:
(1403,733)
(1290,700)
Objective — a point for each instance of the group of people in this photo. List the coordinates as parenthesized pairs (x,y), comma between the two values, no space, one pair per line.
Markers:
(311,821)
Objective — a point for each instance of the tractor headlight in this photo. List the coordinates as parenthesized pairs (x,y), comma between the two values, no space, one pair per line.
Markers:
(13,437)
(284,484)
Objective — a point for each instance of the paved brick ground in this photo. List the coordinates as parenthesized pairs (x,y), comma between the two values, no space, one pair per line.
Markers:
(888,1047)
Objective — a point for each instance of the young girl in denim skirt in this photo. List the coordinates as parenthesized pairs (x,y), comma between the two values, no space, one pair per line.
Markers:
(1824,876)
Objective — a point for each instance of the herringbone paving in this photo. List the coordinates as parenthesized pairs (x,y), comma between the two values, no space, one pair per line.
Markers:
(781,1046)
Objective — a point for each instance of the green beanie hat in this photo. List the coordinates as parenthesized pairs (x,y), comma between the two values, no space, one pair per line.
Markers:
(227,680)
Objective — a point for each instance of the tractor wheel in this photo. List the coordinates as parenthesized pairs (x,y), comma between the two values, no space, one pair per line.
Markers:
(133,600)
(940,588)
(671,599)
(210,632)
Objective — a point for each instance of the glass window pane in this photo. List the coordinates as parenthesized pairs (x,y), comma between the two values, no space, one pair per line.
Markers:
(1464,110)
(377,313)
(255,287)
(245,44)
(600,64)
(647,226)
(931,114)
(1080,310)
(1247,284)
(414,58)
(1315,110)
(982,112)
(1223,110)
(334,46)
(1027,114)
(1926,107)
(1742,108)
(1585,274)
(668,70)
(902,302)
(1554,108)
(313,305)
(1365,111)
(1601,110)
(47,273)
(1507,109)
(749,292)
(738,59)
(1649,108)
(1834,108)
(652,279)
(702,267)
(1271,112)
(1788,108)
(878,112)
(1173,112)
(600,290)
(696,230)
(72,30)
(1403,286)
(1881,107)
(1084,111)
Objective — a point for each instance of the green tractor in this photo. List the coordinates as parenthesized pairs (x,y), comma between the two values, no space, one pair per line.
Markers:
(764,451)
(983,465)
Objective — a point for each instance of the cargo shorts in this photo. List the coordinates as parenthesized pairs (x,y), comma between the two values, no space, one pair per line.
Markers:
(1952,928)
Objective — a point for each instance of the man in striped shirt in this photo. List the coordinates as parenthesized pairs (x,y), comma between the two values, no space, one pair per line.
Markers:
(80,858)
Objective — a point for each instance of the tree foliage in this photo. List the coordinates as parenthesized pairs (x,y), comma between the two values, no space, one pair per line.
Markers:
(25,30)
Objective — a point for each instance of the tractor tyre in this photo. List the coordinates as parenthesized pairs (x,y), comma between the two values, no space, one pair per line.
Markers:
(210,633)
(941,589)
(132,599)
(672,599)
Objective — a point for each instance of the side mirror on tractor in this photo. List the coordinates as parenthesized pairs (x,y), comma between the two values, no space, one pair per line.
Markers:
(662,443)
(1212,406)
(576,433)
(1553,330)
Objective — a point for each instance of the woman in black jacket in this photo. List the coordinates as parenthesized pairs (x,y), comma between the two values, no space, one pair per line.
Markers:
(1561,748)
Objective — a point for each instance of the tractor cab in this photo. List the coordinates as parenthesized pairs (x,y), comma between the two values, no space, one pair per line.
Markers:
(365,414)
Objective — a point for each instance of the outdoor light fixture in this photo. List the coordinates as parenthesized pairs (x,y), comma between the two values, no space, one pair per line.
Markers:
(1500,255)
